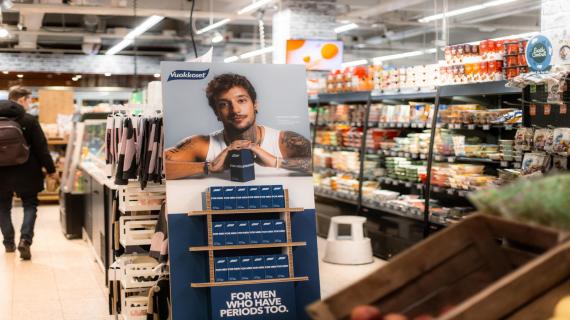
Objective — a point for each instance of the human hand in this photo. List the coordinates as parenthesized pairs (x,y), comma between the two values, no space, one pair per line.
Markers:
(219,164)
(240,144)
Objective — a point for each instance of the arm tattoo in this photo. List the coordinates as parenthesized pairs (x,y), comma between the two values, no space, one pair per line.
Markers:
(296,144)
(187,142)
(298,152)
(297,164)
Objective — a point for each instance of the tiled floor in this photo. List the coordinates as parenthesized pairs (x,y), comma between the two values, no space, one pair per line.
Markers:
(62,281)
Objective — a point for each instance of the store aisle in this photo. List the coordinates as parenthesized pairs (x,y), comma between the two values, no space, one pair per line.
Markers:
(61,281)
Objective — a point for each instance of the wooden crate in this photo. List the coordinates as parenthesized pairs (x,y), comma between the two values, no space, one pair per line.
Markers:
(467,265)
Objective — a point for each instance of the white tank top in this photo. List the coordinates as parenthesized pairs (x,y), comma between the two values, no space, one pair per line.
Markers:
(270,143)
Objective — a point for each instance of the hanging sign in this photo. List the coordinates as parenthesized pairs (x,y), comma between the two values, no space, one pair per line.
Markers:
(539,53)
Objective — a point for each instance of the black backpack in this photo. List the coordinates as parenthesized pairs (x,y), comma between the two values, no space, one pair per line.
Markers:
(14,150)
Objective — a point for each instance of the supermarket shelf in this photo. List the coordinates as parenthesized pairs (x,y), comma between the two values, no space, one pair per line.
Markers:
(413,213)
(338,196)
(245,282)
(397,182)
(400,125)
(346,123)
(333,171)
(478,89)
(378,97)
(345,97)
(243,211)
(336,148)
(450,191)
(401,154)
(453,159)
(57,142)
(459,126)
(248,246)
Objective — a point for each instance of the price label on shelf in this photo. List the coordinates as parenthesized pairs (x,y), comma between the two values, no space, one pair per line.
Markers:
(419,186)
(414,125)
(395,182)
(421,125)
(508,127)
(423,156)
(563,109)
(436,189)
(504,164)
(486,127)
(401,154)
(471,126)
(532,110)
(450,159)
(400,125)
(517,165)
(408,184)
(547,109)
(462,193)
(450,191)
(457,126)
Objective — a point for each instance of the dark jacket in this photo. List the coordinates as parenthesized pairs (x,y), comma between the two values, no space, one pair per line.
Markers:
(27,177)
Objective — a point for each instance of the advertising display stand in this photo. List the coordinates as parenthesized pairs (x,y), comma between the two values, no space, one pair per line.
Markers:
(240,202)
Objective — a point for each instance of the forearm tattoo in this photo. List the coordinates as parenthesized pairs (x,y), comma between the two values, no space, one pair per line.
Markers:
(186,143)
(298,156)
(297,164)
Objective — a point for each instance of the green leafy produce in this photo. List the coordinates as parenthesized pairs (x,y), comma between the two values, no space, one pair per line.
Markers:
(545,201)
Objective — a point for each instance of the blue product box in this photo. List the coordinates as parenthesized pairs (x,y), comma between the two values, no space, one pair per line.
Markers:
(282,266)
(253,197)
(233,269)
(279,234)
(229,198)
(241,198)
(243,232)
(217,198)
(246,268)
(242,165)
(265,197)
(267,231)
(270,264)
(231,233)
(255,233)
(277,197)
(221,269)
(258,267)
(218,231)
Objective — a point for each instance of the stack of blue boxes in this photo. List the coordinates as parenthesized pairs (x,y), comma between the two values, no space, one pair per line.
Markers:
(247,197)
(228,233)
(251,267)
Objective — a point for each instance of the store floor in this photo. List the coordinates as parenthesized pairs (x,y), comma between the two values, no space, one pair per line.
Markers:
(62,281)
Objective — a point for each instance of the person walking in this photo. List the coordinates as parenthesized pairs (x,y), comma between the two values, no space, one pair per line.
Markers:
(23,153)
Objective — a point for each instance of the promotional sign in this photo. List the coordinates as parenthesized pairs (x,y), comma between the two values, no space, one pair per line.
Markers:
(240,202)
(539,53)
(315,54)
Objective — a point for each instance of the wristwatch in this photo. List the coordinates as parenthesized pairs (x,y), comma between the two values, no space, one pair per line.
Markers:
(206,168)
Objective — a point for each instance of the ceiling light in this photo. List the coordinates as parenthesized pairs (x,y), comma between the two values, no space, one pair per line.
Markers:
(5,72)
(379,60)
(157,75)
(78,76)
(74,79)
(256,52)
(353,63)
(345,28)
(119,46)
(231,59)
(213,26)
(143,27)
(465,10)
(253,6)
(217,38)
(107,74)
(20,76)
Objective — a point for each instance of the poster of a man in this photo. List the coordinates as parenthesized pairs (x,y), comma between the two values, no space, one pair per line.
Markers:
(233,99)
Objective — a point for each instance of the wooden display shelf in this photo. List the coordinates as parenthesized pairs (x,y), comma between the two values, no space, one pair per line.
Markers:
(245,282)
(57,142)
(248,246)
(243,211)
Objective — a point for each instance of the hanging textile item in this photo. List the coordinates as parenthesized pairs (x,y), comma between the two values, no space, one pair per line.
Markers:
(134,145)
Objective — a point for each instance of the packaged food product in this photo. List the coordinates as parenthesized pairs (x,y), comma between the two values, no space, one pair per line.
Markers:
(524,139)
(561,144)
(535,162)
(540,136)
(559,163)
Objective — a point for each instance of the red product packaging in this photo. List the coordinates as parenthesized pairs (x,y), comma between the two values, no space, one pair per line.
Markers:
(484,47)
(522,59)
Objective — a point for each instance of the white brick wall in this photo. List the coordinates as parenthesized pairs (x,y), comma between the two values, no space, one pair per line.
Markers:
(32,62)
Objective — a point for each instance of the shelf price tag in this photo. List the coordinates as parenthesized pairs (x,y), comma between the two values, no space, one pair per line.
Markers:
(414,125)
(508,127)
(532,110)
(547,109)
(423,156)
(486,127)
(450,159)
(563,109)
(457,126)
(471,126)
(450,191)
(504,164)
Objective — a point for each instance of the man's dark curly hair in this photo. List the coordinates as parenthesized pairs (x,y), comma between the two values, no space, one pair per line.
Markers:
(225,82)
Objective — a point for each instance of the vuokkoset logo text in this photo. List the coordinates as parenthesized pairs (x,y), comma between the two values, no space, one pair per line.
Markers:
(188,75)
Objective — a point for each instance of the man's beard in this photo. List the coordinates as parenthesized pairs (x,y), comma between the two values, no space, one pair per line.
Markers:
(249,133)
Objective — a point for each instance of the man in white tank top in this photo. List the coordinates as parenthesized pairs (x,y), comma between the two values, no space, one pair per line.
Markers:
(234,101)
